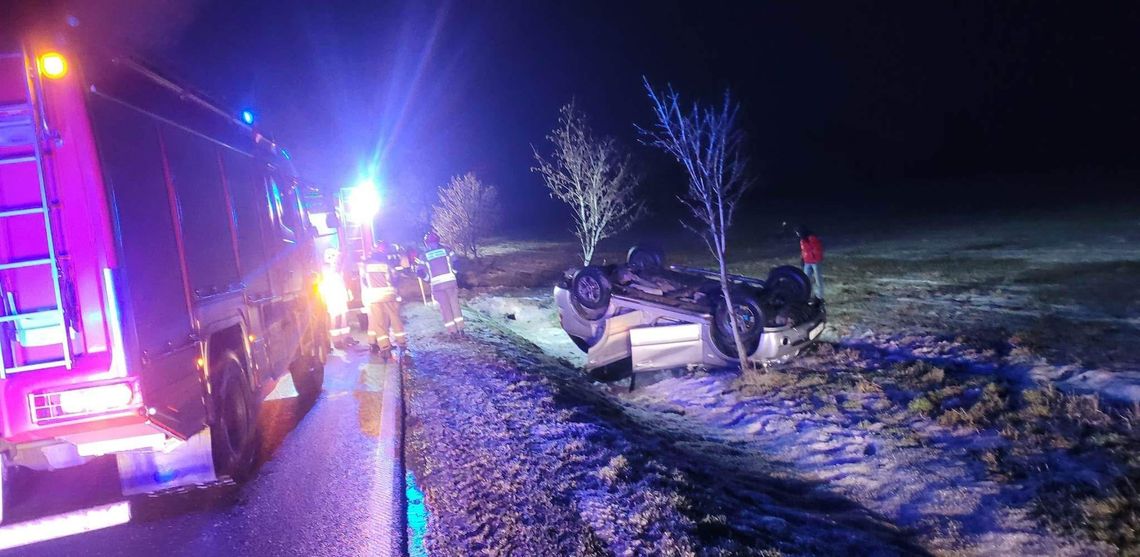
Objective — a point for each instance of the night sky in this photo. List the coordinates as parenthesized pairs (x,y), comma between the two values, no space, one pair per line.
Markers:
(863,101)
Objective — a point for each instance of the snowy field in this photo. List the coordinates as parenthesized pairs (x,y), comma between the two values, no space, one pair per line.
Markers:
(975,395)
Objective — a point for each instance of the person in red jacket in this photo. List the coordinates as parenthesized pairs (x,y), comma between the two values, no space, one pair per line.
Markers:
(811,250)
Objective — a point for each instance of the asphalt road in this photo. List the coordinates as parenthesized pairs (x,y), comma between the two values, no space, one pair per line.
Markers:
(318,490)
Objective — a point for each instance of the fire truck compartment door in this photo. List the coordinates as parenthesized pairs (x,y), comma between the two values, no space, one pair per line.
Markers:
(665,347)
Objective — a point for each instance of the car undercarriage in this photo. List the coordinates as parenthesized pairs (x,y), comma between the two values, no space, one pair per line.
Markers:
(661,317)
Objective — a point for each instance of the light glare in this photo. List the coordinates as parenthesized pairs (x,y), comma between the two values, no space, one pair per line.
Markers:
(53,65)
(363,202)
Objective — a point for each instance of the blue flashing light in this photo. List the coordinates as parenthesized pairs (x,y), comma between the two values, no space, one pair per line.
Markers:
(285,154)
(247,117)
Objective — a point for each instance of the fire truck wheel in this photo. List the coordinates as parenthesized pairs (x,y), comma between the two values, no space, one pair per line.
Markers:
(5,487)
(309,371)
(233,431)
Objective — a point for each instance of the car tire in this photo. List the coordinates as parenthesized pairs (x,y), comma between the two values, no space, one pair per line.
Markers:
(233,428)
(644,258)
(591,290)
(787,285)
(751,315)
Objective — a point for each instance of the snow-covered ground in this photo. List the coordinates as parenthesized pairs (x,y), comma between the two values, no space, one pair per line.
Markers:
(519,454)
(931,411)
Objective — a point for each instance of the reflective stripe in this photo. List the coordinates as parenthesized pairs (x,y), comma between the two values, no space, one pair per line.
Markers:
(383,337)
(377,294)
(343,331)
(376,267)
(399,335)
(458,319)
(446,277)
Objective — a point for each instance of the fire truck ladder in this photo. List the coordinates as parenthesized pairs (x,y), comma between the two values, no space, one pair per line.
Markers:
(23,125)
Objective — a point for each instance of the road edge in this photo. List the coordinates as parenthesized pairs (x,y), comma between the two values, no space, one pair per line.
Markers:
(393,518)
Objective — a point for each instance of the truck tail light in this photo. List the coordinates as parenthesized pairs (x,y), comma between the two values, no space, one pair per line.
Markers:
(96,399)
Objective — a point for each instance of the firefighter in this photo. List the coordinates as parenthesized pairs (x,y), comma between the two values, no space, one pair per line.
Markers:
(334,292)
(444,290)
(378,292)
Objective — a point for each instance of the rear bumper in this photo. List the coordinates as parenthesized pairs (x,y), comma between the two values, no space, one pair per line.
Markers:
(22,399)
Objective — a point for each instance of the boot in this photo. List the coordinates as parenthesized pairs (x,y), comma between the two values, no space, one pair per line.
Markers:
(375,348)
(386,354)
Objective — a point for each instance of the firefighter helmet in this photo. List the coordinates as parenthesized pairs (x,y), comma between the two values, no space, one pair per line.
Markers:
(431,239)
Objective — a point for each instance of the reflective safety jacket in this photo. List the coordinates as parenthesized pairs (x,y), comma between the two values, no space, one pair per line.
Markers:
(438,265)
(377,281)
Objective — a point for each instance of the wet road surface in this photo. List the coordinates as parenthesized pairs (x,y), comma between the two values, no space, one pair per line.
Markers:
(317,490)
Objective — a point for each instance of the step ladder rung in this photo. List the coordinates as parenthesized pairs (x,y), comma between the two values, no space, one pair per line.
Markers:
(26,263)
(22,129)
(18,159)
(20,212)
(33,367)
(15,107)
(17,316)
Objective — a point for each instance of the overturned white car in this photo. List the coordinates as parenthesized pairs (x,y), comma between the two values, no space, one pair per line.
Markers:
(667,317)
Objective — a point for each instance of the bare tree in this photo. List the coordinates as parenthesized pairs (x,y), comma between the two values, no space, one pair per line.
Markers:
(467,212)
(591,176)
(708,142)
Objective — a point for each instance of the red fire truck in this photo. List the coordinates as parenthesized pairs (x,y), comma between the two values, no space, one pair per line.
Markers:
(157,271)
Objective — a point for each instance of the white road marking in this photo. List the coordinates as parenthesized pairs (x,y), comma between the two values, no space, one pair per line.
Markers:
(63,525)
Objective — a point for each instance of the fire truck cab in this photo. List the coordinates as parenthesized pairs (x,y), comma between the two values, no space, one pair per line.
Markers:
(157,271)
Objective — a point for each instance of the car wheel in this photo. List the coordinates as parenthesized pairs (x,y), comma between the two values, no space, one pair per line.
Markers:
(591,289)
(749,315)
(787,285)
(644,258)
(233,429)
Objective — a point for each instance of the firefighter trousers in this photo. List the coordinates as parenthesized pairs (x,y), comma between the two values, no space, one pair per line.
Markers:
(382,317)
(447,296)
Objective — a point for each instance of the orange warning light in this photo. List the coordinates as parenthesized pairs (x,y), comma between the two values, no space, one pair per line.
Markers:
(53,65)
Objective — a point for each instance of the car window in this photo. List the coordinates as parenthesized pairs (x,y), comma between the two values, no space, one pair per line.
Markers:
(285,208)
